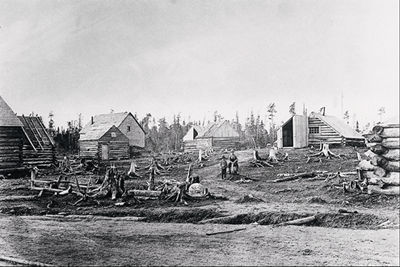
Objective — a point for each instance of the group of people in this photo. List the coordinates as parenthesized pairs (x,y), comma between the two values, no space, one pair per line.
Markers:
(231,166)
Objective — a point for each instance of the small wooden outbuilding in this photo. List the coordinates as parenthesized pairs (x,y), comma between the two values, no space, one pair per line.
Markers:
(102,142)
(301,131)
(293,133)
(216,135)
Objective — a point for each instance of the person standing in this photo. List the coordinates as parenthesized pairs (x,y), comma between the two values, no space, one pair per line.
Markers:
(223,164)
(233,163)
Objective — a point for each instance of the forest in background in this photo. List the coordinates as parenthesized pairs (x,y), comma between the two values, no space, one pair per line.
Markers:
(162,136)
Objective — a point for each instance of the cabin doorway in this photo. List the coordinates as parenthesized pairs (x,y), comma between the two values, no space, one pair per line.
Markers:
(287,134)
(104,152)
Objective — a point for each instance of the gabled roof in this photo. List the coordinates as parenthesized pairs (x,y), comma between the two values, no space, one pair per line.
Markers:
(102,123)
(212,130)
(7,116)
(338,125)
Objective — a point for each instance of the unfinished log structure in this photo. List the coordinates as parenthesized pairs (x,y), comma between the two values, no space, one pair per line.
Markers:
(124,121)
(39,147)
(382,171)
(103,143)
(301,131)
(11,139)
(218,135)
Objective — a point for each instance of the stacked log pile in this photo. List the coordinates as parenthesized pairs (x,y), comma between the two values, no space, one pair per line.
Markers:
(382,170)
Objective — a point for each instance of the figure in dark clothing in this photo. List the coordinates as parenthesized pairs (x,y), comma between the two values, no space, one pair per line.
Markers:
(233,165)
(223,164)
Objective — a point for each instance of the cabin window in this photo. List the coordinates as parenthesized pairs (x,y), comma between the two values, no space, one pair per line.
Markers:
(314,130)
(128,128)
(113,134)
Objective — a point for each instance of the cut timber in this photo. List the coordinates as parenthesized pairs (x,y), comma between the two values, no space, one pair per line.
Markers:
(392,154)
(391,142)
(22,261)
(372,175)
(386,132)
(380,161)
(294,177)
(377,148)
(366,165)
(374,137)
(379,171)
(144,193)
(226,232)
(220,220)
(389,190)
(392,178)
(17,198)
(299,221)
(392,166)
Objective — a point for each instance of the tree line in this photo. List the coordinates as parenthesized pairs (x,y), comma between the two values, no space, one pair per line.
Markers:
(163,136)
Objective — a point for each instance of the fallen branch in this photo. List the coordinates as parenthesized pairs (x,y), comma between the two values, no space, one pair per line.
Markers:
(220,220)
(300,175)
(22,261)
(226,232)
(299,221)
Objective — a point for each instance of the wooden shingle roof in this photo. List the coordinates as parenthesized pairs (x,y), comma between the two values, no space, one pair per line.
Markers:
(102,123)
(7,115)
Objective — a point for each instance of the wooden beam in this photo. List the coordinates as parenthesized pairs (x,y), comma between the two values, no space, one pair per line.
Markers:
(45,131)
(30,128)
(29,139)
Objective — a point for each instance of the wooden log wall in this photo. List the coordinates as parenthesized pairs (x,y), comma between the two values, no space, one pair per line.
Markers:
(199,143)
(225,143)
(10,147)
(190,146)
(88,149)
(116,149)
(326,133)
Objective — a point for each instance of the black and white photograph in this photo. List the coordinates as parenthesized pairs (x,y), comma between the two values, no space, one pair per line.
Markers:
(199,133)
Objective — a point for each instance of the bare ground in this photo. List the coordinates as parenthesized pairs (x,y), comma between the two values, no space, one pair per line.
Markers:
(123,242)
(117,241)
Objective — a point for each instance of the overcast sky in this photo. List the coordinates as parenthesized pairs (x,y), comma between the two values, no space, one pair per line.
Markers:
(194,57)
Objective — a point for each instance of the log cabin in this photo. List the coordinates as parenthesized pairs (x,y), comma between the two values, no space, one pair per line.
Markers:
(11,139)
(124,121)
(218,135)
(301,131)
(102,142)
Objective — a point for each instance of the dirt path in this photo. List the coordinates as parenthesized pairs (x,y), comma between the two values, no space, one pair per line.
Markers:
(118,241)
